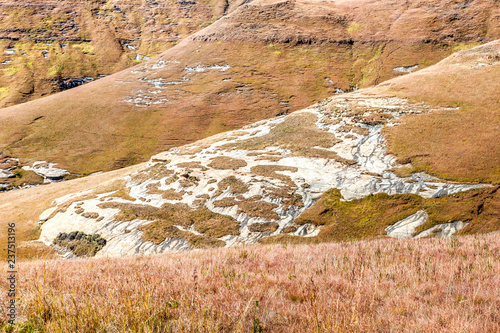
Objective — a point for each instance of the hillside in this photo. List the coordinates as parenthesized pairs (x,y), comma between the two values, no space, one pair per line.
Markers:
(48,46)
(262,183)
(216,80)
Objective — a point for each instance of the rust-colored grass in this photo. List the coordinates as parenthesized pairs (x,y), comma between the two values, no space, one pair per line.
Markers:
(426,285)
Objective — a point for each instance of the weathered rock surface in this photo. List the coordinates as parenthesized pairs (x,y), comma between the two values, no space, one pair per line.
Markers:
(47,170)
(406,227)
(443,230)
(284,164)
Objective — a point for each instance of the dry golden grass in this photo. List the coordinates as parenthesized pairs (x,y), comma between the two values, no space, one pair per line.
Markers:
(253,206)
(456,144)
(192,165)
(426,285)
(235,186)
(264,227)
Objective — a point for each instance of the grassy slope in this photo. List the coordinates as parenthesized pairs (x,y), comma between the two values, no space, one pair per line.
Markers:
(87,38)
(460,144)
(430,285)
(91,128)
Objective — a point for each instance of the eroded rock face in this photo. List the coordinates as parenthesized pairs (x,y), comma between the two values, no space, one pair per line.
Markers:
(406,227)
(262,176)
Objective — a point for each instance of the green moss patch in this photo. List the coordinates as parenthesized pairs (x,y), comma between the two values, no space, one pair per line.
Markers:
(368,217)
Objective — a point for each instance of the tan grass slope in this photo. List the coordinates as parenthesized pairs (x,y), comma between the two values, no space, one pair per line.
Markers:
(46,43)
(461,143)
(263,59)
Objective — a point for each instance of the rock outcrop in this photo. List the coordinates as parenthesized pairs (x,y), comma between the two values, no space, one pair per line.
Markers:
(259,179)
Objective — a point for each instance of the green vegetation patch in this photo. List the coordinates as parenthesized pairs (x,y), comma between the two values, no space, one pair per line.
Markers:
(165,219)
(368,217)
(81,244)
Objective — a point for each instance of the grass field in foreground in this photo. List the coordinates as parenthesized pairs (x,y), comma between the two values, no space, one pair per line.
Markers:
(426,285)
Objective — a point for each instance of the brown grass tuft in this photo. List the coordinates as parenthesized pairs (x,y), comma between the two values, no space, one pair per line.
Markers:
(264,227)
(227,163)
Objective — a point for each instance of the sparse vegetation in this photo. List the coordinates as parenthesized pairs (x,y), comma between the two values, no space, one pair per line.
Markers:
(166,218)
(271,171)
(287,194)
(156,172)
(298,133)
(169,194)
(253,206)
(235,186)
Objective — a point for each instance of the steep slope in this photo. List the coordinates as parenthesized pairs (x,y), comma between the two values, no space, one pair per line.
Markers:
(48,46)
(263,59)
(261,183)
